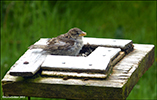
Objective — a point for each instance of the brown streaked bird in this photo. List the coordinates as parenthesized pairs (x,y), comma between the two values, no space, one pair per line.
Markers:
(69,43)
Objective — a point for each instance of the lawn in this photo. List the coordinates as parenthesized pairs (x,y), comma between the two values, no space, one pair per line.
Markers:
(25,22)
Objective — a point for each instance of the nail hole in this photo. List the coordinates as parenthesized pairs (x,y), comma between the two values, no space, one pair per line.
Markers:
(103,55)
(26,62)
(90,64)
(114,40)
(109,50)
(63,62)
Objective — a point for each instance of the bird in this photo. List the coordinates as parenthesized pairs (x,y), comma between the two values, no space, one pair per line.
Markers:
(69,43)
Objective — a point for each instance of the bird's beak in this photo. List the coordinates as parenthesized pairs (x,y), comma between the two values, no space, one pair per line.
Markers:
(83,34)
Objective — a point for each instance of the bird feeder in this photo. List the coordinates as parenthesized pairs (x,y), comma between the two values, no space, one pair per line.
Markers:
(104,69)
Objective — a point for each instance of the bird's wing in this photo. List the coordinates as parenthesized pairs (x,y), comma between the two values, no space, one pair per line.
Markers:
(59,43)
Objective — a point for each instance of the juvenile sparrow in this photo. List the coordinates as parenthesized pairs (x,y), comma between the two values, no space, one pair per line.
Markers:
(69,43)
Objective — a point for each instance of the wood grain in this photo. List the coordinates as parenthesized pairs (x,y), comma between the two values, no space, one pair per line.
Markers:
(29,63)
(118,85)
(81,74)
(97,62)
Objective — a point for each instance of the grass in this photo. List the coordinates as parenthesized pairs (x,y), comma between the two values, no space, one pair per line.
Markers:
(25,22)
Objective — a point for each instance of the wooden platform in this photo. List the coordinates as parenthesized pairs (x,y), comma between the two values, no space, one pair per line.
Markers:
(118,85)
(29,63)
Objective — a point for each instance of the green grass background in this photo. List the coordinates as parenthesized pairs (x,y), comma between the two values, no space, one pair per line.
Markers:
(25,22)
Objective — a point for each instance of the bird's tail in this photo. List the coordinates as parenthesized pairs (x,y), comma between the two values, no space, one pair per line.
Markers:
(37,47)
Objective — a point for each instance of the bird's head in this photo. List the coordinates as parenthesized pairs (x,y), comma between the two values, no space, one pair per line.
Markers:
(76,33)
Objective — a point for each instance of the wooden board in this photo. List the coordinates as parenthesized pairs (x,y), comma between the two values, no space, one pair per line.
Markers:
(84,75)
(125,45)
(96,62)
(97,65)
(30,62)
(118,85)
(116,43)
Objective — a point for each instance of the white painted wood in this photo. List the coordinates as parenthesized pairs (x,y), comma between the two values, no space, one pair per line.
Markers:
(35,57)
(104,52)
(28,64)
(96,62)
(120,43)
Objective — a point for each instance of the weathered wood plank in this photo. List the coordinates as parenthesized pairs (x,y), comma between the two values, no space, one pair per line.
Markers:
(125,45)
(120,43)
(28,64)
(62,91)
(73,74)
(83,75)
(117,86)
(83,67)
(82,64)
(145,60)
(116,43)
